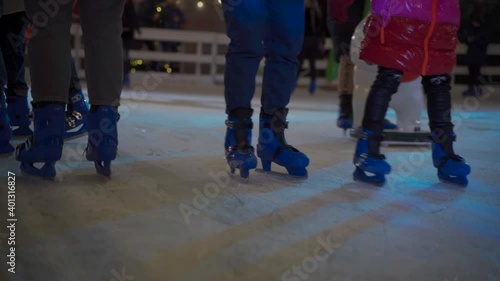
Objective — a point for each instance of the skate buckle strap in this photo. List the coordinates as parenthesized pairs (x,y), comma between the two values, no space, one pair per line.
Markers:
(440,141)
(238,125)
(372,155)
(453,157)
(245,148)
(268,125)
(281,148)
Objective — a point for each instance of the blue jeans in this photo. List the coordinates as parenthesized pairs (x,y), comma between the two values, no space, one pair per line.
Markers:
(273,29)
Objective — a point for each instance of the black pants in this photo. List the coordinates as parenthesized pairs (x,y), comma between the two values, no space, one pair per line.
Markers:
(436,87)
(474,74)
(12,43)
(311,51)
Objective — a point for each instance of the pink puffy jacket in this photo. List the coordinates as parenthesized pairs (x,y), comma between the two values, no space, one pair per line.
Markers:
(417,36)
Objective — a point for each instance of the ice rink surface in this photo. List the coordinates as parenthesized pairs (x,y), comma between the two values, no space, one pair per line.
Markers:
(172,212)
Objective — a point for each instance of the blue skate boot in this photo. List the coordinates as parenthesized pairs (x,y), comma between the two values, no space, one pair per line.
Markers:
(19,115)
(102,143)
(368,159)
(388,125)
(5,130)
(76,116)
(273,147)
(312,87)
(452,168)
(345,119)
(239,151)
(46,143)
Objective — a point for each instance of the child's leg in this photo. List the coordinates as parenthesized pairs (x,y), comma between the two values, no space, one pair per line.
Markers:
(367,157)
(451,167)
(386,84)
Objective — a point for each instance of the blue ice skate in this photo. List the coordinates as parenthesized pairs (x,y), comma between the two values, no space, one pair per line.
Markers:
(452,168)
(19,115)
(5,129)
(239,152)
(312,87)
(102,143)
(368,159)
(388,125)
(273,147)
(46,143)
(76,116)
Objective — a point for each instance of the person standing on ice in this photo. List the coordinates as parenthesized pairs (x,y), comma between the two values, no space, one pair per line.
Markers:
(344,17)
(50,54)
(257,29)
(416,36)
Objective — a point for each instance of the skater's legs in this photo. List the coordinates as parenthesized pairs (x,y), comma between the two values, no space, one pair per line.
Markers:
(283,42)
(245,26)
(102,28)
(474,74)
(312,66)
(50,50)
(12,41)
(451,167)
(75,86)
(385,85)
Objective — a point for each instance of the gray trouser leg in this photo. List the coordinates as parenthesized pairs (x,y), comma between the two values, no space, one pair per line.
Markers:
(49,49)
(102,28)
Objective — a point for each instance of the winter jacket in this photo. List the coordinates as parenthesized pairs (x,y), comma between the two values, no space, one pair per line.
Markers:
(417,36)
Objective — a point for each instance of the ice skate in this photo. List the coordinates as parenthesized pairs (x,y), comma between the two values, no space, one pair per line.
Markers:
(19,115)
(5,129)
(46,143)
(312,87)
(239,152)
(76,116)
(102,143)
(345,119)
(273,147)
(452,168)
(368,159)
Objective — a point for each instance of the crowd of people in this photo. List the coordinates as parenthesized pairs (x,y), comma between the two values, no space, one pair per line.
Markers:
(284,32)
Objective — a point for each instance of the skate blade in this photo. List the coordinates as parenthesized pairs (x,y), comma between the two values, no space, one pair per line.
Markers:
(454,181)
(282,175)
(30,171)
(375,180)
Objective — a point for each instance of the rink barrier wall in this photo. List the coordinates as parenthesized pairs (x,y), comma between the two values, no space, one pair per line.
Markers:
(204,53)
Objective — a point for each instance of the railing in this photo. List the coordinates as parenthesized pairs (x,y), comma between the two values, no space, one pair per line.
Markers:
(204,52)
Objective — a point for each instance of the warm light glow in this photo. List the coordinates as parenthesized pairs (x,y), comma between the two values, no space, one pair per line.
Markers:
(158,9)
(166,66)
(220,2)
(139,62)
(200,4)
(133,70)
(169,70)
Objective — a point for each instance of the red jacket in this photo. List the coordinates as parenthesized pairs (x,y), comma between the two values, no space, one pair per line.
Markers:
(417,36)
(338,9)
